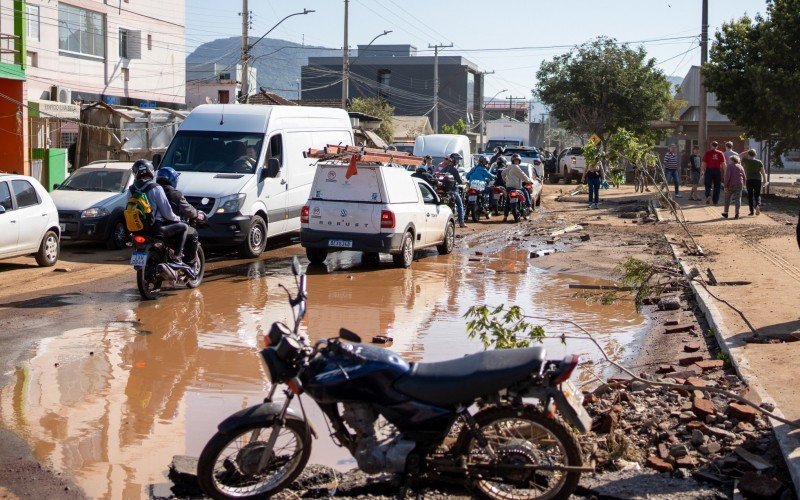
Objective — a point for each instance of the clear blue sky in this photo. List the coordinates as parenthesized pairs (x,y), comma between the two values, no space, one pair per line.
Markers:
(502,24)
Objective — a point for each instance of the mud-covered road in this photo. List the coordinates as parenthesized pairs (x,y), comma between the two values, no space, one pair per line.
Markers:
(105,389)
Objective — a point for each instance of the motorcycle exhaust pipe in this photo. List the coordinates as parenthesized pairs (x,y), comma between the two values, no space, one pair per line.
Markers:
(168,273)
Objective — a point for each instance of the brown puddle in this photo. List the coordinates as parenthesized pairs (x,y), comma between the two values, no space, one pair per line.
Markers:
(111,405)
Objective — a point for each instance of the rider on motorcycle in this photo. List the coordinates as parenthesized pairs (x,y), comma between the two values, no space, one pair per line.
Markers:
(451,168)
(167,224)
(167,178)
(427,164)
(480,172)
(514,178)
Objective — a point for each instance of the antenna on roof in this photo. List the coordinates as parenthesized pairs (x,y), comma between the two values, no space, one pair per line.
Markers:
(222,117)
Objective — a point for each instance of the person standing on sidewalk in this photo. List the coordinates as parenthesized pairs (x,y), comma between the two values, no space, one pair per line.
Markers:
(734,182)
(594,175)
(672,169)
(756,176)
(694,172)
(713,167)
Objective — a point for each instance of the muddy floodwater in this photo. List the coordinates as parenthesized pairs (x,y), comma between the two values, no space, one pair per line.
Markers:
(111,404)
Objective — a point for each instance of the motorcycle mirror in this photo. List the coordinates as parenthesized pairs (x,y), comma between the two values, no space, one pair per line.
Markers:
(349,336)
(296,266)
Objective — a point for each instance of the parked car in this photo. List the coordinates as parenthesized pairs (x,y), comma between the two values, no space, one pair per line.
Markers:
(28,220)
(244,166)
(571,165)
(381,210)
(90,203)
(536,189)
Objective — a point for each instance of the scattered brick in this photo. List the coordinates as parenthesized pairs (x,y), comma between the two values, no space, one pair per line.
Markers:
(658,464)
(742,412)
(691,347)
(703,407)
(686,462)
(755,485)
(679,328)
(665,369)
(690,360)
(696,382)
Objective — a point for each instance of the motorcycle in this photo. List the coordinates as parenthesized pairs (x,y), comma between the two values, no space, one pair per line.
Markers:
(150,259)
(477,204)
(498,199)
(519,207)
(413,420)
(444,188)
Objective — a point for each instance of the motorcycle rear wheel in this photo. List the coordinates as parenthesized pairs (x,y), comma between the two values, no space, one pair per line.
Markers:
(148,279)
(523,436)
(226,467)
(474,212)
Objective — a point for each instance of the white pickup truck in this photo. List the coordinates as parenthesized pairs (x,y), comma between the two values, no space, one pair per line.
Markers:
(381,209)
(571,165)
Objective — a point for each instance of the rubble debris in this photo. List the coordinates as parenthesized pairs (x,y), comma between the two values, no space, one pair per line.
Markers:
(669,303)
(755,485)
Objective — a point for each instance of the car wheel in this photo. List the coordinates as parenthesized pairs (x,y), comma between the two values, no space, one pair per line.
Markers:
(256,241)
(406,255)
(48,250)
(539,200)
(316,255)
(567,178)
(449,239)
(118,237)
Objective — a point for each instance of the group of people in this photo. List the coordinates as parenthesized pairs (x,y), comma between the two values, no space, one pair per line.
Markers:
(723,172)
(506,175)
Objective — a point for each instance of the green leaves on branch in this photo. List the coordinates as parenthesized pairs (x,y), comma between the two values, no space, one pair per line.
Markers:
(638,275)
(501,328)
(458,128)
(374,106)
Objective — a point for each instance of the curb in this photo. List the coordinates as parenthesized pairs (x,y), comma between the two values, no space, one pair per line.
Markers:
(789,445)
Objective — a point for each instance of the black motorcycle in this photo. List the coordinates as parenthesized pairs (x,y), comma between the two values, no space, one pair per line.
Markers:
(413,420)
(150,258)
(477,202)
(446,189)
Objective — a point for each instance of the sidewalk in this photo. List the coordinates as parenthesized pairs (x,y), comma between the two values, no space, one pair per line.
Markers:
(764,252)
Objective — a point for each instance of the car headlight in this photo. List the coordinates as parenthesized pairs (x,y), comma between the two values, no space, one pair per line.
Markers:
(231,204)
(94,212)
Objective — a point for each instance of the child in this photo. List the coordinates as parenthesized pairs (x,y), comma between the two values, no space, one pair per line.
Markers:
(734,182)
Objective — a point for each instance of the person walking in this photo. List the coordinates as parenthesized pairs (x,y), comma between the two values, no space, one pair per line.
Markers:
(672,169)
(756,176)
(729,153)
(712,169)
(734,182)
(694,172)
(594,175)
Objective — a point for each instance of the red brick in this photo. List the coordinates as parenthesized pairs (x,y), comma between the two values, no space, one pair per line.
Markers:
(691,347)
(703,407)
(679,328)
(660,465)
(690,360)
(665,369)
(695,424)
(686,462)
(696,382)
(742,412)
(710,364)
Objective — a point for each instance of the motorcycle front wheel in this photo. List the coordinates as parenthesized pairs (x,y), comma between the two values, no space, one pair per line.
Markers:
(230,464)
(148,280)
(199,268)
(520,437)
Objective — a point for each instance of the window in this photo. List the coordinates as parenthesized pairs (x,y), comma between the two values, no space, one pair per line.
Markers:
(5,197)
(33,59)
(126,74)
(384,76)
(275,148)
(149,42)
(81,31)
(111,181)
(25,193)
(200,151)
(223,96)
(32,12)
(428,195)
(123,43)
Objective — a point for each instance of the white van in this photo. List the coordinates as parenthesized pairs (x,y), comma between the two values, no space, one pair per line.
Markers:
(244,166)
(439,146)
(381,209)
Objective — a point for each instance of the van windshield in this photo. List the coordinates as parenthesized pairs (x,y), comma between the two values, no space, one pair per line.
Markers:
(225,152)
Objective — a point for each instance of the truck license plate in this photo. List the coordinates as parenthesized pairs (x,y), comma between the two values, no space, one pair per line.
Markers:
(340,243)
(138,259)
(473,197)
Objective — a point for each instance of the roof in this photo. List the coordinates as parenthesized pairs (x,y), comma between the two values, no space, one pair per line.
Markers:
(110,164)
(364,117)
(320,103)
(411,126)
(270,98)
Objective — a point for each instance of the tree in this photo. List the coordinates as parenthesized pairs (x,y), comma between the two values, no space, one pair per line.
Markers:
(601,86)
(755,73)
(379,108)
(458,128)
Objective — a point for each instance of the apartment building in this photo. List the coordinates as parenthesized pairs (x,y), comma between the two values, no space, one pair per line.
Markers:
(216,83)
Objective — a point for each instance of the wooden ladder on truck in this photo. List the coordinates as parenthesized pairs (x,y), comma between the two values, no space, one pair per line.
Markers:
(350,154)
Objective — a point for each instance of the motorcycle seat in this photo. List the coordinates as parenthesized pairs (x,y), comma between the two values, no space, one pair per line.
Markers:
(461,381)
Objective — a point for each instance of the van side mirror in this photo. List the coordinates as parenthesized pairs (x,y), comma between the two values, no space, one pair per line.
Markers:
(272,169)
(157,160)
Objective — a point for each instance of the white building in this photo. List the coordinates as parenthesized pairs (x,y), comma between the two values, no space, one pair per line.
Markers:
(127,52)
(212,83)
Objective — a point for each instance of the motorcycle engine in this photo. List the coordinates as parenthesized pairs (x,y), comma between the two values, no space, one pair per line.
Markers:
(378,449)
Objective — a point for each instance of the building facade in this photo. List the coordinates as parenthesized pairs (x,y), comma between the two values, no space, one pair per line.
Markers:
(214,83)
(404,79)
(13,112)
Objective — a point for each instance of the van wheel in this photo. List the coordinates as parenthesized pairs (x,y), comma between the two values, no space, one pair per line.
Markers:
(256,241)
(48,250)
(406,255)
(316,255)
(449,239)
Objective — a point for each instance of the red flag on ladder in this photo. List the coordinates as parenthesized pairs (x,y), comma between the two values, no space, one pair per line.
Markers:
(351,168)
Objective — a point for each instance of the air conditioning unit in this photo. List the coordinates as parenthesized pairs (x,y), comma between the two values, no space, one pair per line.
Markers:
(61,94)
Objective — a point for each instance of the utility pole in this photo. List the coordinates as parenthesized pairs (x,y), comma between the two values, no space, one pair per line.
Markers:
(245,51)
(346,57)
(702,126)
(436,82)
(481,124)
(511,105)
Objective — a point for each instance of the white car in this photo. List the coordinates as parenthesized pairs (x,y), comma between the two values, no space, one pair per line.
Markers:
(28,220)
(571,164)
(536,189)
(381,209)
(91,202)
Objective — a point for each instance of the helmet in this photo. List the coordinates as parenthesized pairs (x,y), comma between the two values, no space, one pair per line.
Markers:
(428,157)
(142,169)
(455,157)
(501,162)
(516,158)
(167,175)
(482,160)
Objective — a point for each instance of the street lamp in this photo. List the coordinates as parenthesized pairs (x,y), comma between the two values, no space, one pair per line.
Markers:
(346,63)
(249,47)
(483,107)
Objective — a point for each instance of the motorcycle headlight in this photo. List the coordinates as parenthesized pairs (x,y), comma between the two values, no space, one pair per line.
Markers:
(94,212)
(231,204)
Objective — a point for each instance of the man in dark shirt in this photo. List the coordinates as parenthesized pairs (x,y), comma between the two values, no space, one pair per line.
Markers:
(451,168)
(167,178)
(713,164)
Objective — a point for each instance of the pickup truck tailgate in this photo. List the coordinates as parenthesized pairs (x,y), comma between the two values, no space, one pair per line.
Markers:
(344,217)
